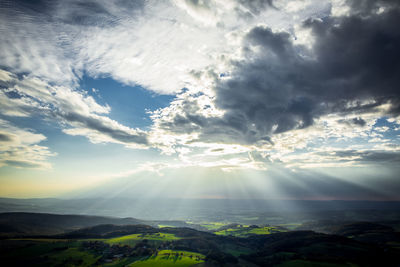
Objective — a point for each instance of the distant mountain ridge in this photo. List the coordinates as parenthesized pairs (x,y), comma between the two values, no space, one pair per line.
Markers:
(109,230)
(26,223)
(166,209)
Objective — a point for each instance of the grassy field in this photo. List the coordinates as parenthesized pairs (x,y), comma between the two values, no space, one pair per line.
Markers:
(213,225)
(173,258)
(245,230)
(135,238)
(54,252)
(165,225)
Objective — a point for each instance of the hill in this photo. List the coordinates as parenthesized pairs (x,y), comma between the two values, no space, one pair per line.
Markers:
(25,223)
(305,248)
(121,244)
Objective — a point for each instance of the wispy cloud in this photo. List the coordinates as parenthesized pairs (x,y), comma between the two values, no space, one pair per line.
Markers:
(75,111)
(256,82)
(20,148)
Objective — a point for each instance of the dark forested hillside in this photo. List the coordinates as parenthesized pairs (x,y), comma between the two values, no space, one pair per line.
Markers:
(24,223)
(130,242)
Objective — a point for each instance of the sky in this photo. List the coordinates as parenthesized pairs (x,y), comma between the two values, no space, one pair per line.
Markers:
(226,99)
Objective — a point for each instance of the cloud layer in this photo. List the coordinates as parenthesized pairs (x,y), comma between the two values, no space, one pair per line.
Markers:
(281,96)
(257,83)
(20,148)
(277,86)
(78,112)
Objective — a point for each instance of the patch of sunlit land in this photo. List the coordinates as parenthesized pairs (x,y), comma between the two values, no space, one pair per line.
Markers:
(62,252)
(247,230)
(174,258)
(135,238)
(165,225)
(213,225)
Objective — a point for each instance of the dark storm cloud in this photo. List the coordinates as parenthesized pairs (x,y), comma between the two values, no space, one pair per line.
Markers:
(354,59)
(354,122)
(353,68)
(367,7)
(358,121)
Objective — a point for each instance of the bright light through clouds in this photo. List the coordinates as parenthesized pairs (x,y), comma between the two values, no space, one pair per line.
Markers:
(217,99)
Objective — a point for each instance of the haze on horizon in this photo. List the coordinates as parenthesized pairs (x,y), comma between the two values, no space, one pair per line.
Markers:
(208,99)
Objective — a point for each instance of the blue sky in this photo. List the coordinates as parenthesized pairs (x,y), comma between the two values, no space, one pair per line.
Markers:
(129,104)
(200,99)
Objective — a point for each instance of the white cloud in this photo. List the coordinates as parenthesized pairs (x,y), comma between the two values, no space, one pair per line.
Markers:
(20,148)
(173,133)
(340,8)
(163,46)
(73,109)
(156,44)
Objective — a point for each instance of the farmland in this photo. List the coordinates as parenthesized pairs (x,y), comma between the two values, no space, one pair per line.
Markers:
(246,230)
(135,238)
(227,245)
(48,252)
(171,258)
(213,225)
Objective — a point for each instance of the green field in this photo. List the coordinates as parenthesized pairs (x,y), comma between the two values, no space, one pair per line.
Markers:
(164,225)
(245,230)
(213,225)
(173,258)
(135,238)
